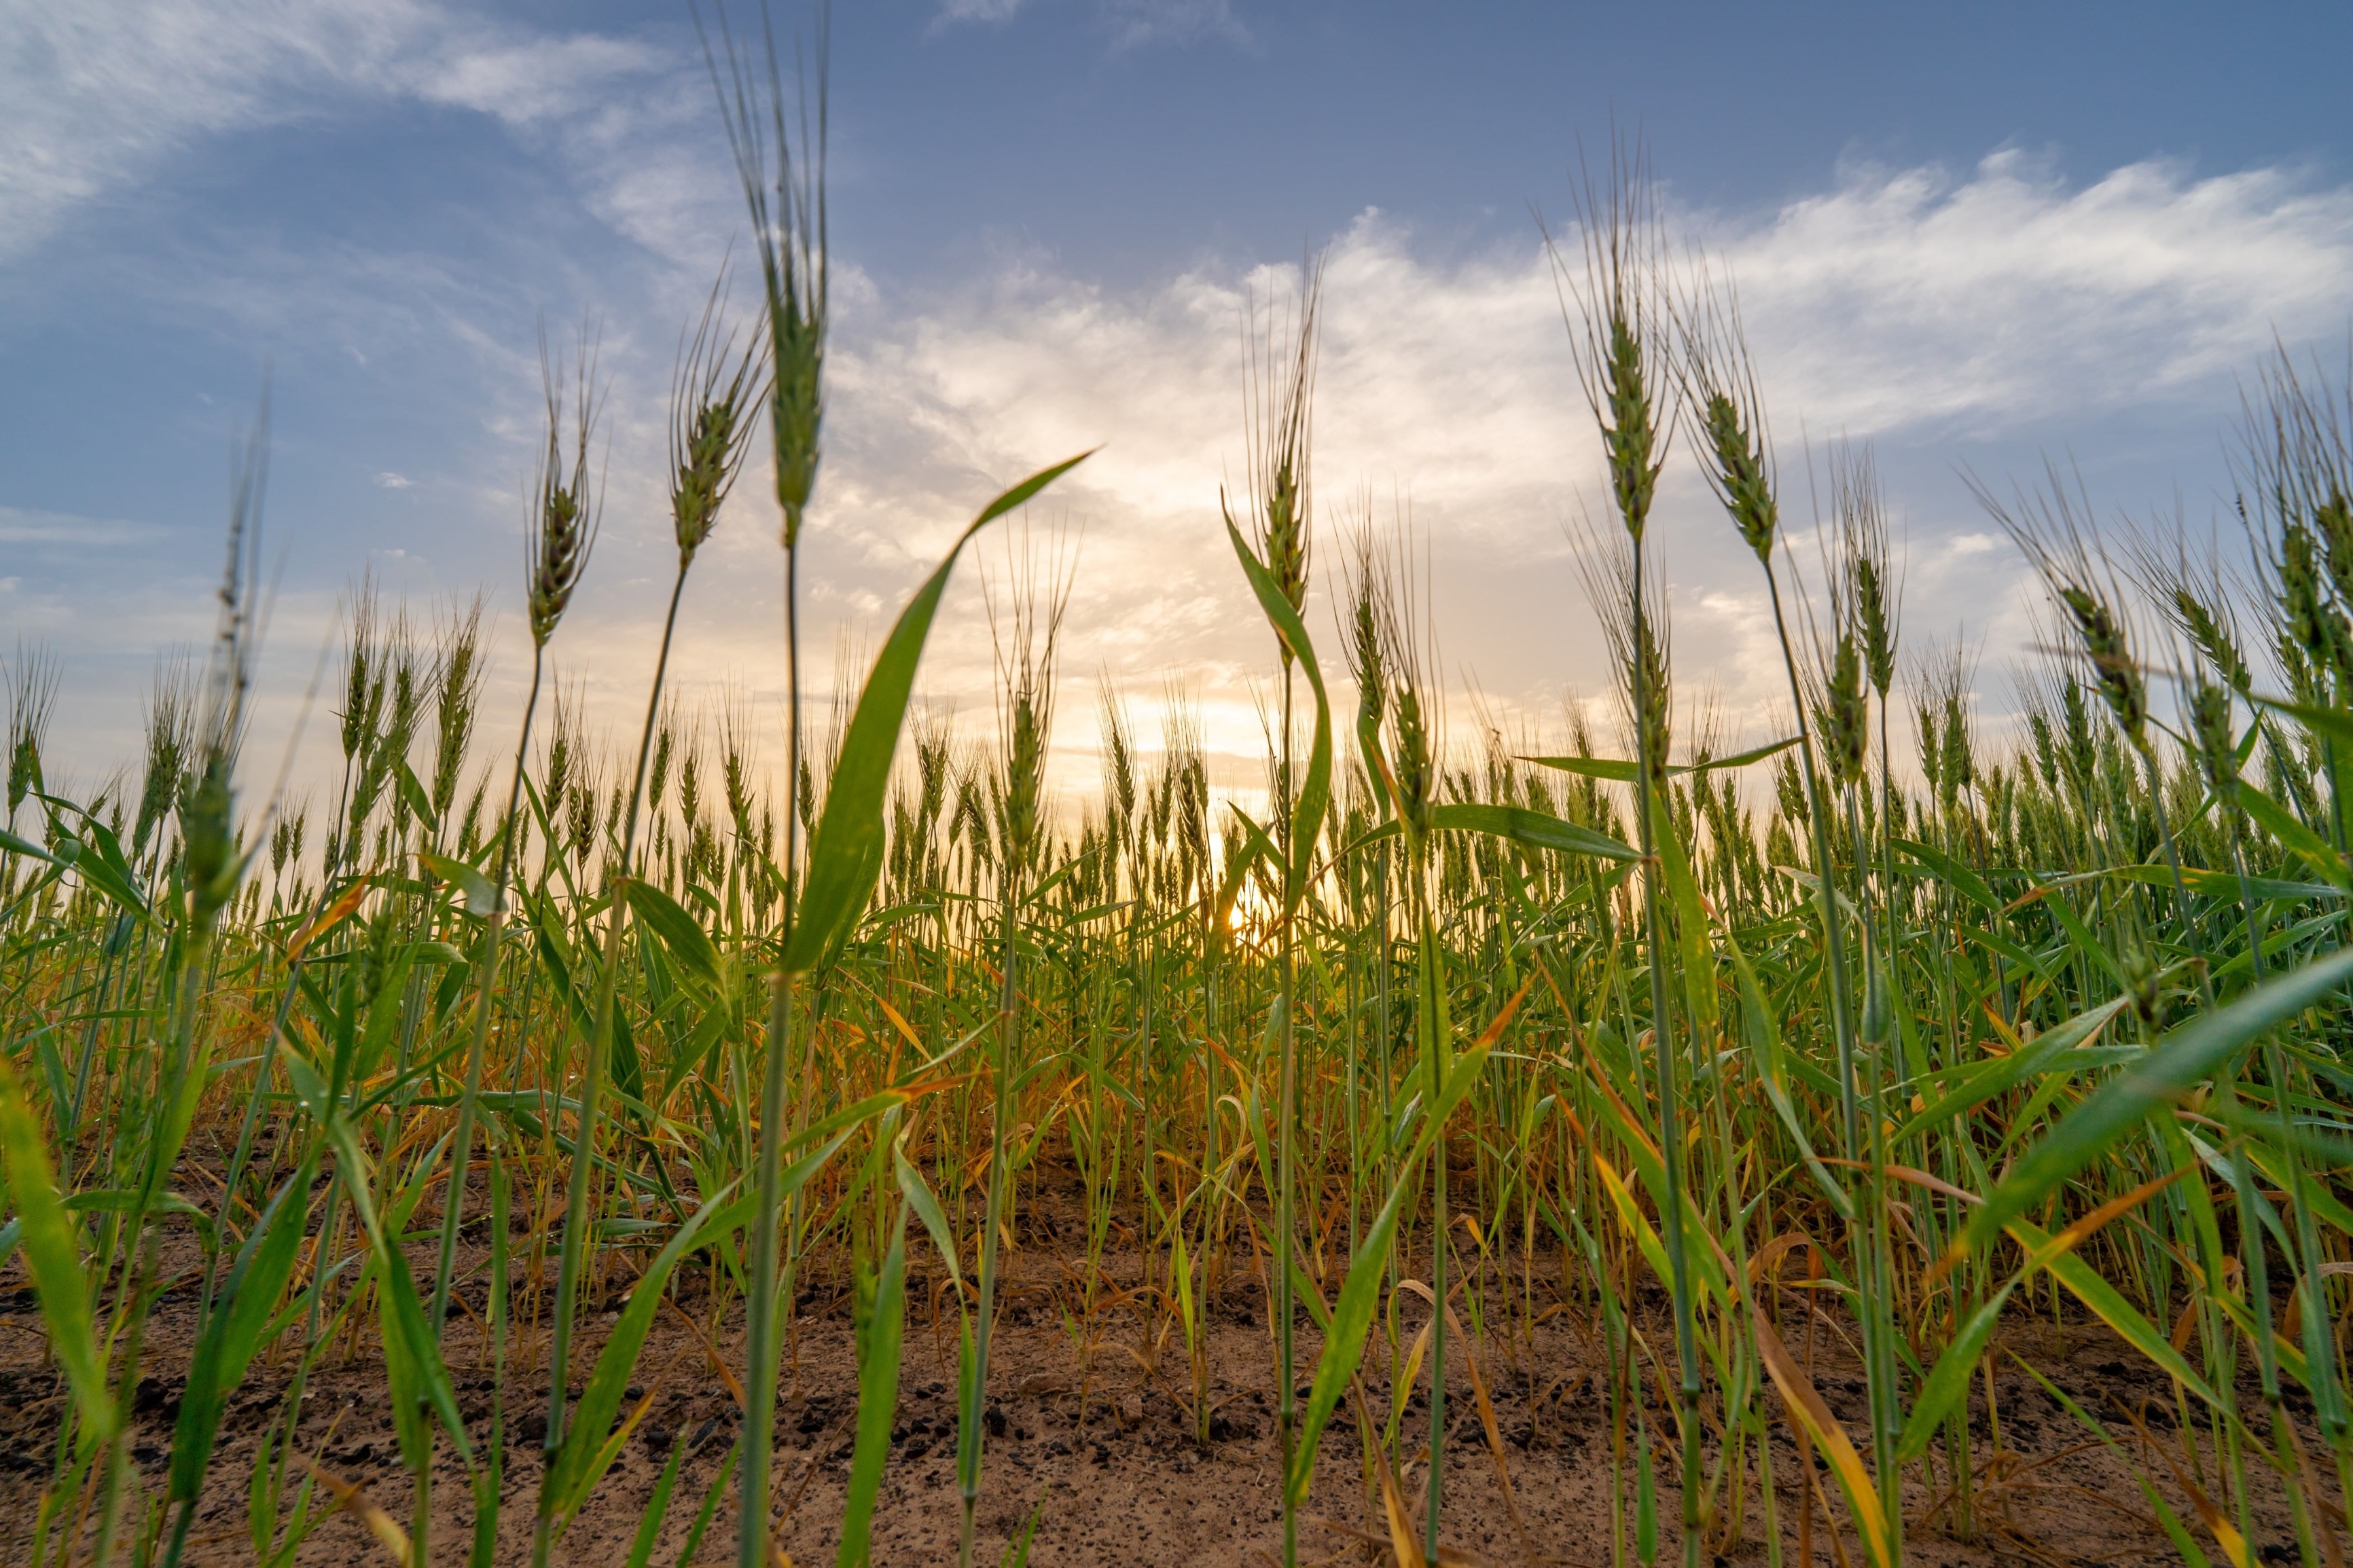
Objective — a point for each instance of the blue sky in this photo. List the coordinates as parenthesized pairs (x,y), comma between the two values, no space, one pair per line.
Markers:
(1970,236)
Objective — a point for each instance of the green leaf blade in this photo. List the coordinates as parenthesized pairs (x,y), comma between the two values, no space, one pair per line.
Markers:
(846,850)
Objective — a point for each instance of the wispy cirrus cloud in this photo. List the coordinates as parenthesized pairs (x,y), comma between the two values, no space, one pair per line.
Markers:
(2004,295)
(63,530)
(1130,24)
(101,94)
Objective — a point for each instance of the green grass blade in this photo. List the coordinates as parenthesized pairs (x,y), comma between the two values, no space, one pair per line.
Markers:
(1352,1320)
(2334,723)
(241,1316)
(1948,1381)
(94,855)
(1316,787)
(881,1324)
(481,897)
(18,845)
(1352,1315)
(1532,828)
(1763,1030)
(2003,1073)
(710,1509)
(682,934)
(412,790)
(53,1257)
(926,1204)
(1619,771)
(2109,1305)
(1691,922)
(1964,881)
(846,850)
(576,1470)
(2180,1061)
(404,1314)
(1016,1551)
(2281,824)
(649,1523)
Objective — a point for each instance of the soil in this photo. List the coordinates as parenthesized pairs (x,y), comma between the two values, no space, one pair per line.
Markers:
(1097,1442)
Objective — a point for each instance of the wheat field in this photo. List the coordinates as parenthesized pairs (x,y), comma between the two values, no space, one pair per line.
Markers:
(522,1061)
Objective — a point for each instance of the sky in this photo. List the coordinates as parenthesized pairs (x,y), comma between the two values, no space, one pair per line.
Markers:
(1971,240)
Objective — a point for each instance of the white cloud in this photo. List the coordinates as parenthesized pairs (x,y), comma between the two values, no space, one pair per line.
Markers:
(1905,306)
(528,81)
(1894,302)
(392,481)
(1130,24)
(70,531)
(95,95)
(1135,23)
(978,10)
(2005,296)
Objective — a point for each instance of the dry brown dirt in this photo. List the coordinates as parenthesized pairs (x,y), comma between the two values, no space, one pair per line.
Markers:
(1096,1441)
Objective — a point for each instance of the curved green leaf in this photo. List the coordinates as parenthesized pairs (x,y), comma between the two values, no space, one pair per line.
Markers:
(2284,826)
(680,931)
(1351,1317)
(1532,828)
(881,1323)
(1622,771)
(1965,882)
(2002,1072)
(481,897)
(2180,1062)
(2108,1303)
(1763,1029)
(926,1204)
(53,1257)
(1352,1320)
(1948,1380)
(846,850)
(576,1470)
(240,1319)
(403,1314)
(1315,789)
